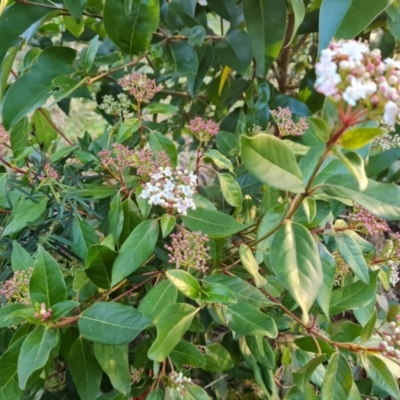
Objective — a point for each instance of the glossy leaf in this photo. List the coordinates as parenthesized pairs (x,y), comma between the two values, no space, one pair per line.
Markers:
(76,8)
(182,58)
(329,271)
(272,162)
(167,223)
(217,358)
(184,282)
(266,25)
(302,376)
(261,350)
(171,325)
(296,263)
(248,320)
(115,217)
(90,52)
(158,298)
(218,159)
(47,282)
(114,362)
(355,138)
(250,264)
(159,142)
(85,370)
(131,32)
(215,224)
(83,236)
(230,189)
(136,249)
(368,328)
(111,324)
(186,353)
(35,352)
(21,260)
(338,379)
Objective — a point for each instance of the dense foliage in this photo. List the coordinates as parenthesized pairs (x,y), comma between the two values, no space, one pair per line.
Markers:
(229,234)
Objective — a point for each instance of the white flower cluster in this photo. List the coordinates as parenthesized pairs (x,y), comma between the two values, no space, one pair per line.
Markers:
(394,273)
(349,71)
(172,189)
(112,106)
(387,141)
(177,379)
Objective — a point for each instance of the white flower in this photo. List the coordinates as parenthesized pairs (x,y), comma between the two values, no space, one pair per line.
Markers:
(186,190)
(190,204)
(167,172)
(156,199)
(354,50)
(391,113)
(169,185)
(356,91)
(193,178)
(157,176)
(145,194)
(390,63)
(181,207)
(326,84)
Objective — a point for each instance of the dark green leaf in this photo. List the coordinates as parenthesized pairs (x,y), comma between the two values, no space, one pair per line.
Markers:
(21,260)
(83,236)
(181,58)
(261,350)
(217,293)
(186,353)
(369,327)
(132,219)
(90,52)
(131,32)
(35,352)
(248,320)
(85,370)
(47,282)
(112,324)
(99,262)
(63,308)
(329,270)
(136,249)
(76,8)
(159,142)
(302,376)
(217,358)
(114,362)
(115,217)
(215,224)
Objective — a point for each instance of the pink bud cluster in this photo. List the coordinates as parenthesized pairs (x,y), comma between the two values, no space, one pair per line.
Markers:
(48,172)
(189,250)
(44,314)
(149,162)
(390,345)
(367,222)
(172,189)
(120,158)
(139,86)
(4,136)
(16,289)
(286,125)
(203,129)
(349,72)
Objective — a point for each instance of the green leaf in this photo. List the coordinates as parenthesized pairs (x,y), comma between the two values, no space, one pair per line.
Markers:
(181,57)
(331,15)
(9,387)
(5,68)
(171,325)
(132,219)
(271,161)
(235,51)
(217,293)
(227,143)
(21,260)
(69,87)
(329,271)
(63,308)
(19,23)
(76,8)
(95,192)
(99,262)
(205,56)
(244,292)
(114,362)
(230,189)
(115,217)
(127,129)
(353,296)
(83,236)
(35,352)
(85,370)
(160,108)
(295,262)
(215,224)
(266,25)
(354,22)
(338,379)
(218,159)
(355,138)
(261,350)
(36,85)
(195,392)
(167,223)
(249,320)
(302,376)
(131,32)
(5,315)
(299,11)
(136,249)
(74,27)
(159,142)
(353,256)
(156,394)
(369,327)
(355,164)
(381,375)
(47,282)
(186,353)
(381,199)
(158,298)
(90,51)
(270,221)
(25,212)
(217,358)
(111,323)
(184,282)
(45,131)
(251,265)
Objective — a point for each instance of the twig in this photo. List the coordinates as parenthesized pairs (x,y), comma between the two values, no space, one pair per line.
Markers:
(40,109)
(212,383)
